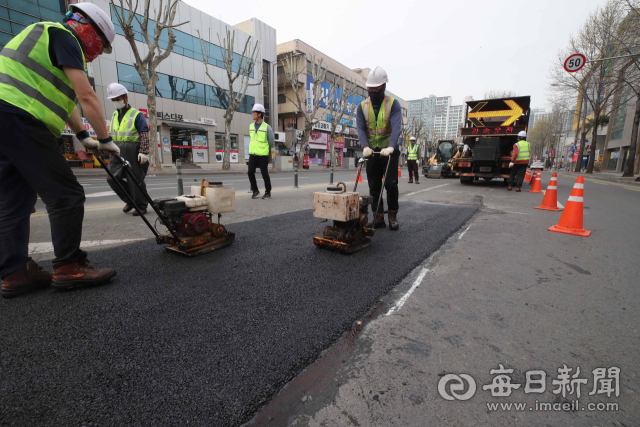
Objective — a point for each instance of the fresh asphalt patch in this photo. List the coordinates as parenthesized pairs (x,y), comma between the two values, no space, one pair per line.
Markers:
(200,341)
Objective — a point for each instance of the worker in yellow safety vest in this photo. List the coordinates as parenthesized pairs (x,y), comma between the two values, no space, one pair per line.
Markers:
(42,75)
(519,161)
(379,122)
(130,131)
(412,160)
(262,139)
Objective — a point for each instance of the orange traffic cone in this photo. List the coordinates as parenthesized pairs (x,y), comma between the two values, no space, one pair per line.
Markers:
(399,172)
(571,219)
(537,184)
(358,178)
(550,200)
(533,176)
(527,177)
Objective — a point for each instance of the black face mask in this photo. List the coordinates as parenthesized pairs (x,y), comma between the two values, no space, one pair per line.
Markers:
(377,97)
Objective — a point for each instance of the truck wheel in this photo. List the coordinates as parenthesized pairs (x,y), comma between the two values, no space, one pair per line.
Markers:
(475,178)
(466,180)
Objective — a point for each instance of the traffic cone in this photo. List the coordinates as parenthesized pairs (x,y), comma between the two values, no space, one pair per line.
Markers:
(358,178)
(399,172)
(537,184)
(533,176)
(550,200)
(527,177)
(571,219)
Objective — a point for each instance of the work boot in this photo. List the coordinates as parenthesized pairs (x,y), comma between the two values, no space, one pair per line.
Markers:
(410,181)
(417,182)
(393,220)
(267,195)
(509,188)
(22,281)
(255,194)
(378,222)
(143,211)
(518,189)
(80,273)
(127,208)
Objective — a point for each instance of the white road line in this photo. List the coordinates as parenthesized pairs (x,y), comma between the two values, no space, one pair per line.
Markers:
(426,189)
(462,234)
(44,247)
(519,213)
(406,296)
(560,205)
(101,194)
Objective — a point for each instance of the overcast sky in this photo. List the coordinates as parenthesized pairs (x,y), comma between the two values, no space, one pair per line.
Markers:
(444,47)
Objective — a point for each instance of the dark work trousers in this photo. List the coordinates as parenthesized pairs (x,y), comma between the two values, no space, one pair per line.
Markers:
(31,163)
(517,174)
(376,166)
(129,151)
(413,169)
(261,162)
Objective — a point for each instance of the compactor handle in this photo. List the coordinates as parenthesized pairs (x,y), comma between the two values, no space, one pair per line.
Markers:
(202,186)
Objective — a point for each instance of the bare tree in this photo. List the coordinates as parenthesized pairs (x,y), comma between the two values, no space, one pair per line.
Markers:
(340,92)
(594,83)
(146,66)
(245,66)
(295,73)
(497,94)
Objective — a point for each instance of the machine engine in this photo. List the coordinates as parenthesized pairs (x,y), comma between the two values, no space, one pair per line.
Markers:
(187,215)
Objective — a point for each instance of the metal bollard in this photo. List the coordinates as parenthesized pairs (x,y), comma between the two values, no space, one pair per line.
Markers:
(179,167)
(295,174)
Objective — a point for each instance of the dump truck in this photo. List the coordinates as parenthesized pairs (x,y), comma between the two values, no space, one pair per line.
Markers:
(491,128)
(439,164)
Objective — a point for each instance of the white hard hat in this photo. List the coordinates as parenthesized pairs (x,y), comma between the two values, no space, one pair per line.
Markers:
(100,18)
(115,90)
(413,138)
(522,134)
(259,108)
(377,77)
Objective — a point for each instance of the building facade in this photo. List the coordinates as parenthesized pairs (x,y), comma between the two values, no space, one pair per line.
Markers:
(618,139)
(292,122)
(190,109)
(441,119)
(16,15)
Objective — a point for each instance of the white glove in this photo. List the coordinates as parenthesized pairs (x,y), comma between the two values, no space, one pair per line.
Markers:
(367,152)
(387,151)
(511,164)
(89,143)
(143,158)
(109,147)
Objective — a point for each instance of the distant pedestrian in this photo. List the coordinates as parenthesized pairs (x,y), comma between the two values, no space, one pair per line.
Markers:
(262,139)
(519,161)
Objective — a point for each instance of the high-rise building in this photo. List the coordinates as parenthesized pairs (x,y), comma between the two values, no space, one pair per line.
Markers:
(441,118)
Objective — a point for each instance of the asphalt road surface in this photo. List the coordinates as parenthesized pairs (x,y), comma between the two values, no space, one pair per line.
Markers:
(281,316)
(206,340)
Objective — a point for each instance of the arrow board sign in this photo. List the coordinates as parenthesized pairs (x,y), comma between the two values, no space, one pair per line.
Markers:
(512,112)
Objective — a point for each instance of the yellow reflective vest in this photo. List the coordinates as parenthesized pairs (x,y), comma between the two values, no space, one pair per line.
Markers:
(125,131)
(523,151)
(412,152)
(30,81)
(259,145)
(378,131)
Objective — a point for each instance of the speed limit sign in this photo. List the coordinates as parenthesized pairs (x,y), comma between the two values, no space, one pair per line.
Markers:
(575,62)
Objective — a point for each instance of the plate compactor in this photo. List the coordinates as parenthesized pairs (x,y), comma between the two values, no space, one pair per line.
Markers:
(191,229)
(349,211)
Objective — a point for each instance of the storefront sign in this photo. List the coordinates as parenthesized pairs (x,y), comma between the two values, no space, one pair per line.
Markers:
(338,143)
(67,130)
(167,116)
(353,131)
(318,140)
(144,112)
(342,121)
(206,121)
(352,143)
(325,126)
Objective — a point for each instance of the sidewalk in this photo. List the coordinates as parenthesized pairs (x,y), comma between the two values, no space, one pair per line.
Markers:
(606,176)
(99,172)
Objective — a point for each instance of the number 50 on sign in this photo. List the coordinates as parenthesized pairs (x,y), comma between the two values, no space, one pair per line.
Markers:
(575,62)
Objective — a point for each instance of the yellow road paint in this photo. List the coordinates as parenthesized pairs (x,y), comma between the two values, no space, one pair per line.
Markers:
(632,189)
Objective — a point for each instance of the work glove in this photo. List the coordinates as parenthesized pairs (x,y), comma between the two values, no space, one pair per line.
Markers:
(511,164)
(143,158)
(108,146)
(86,140)
(387,151)
(367,152)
